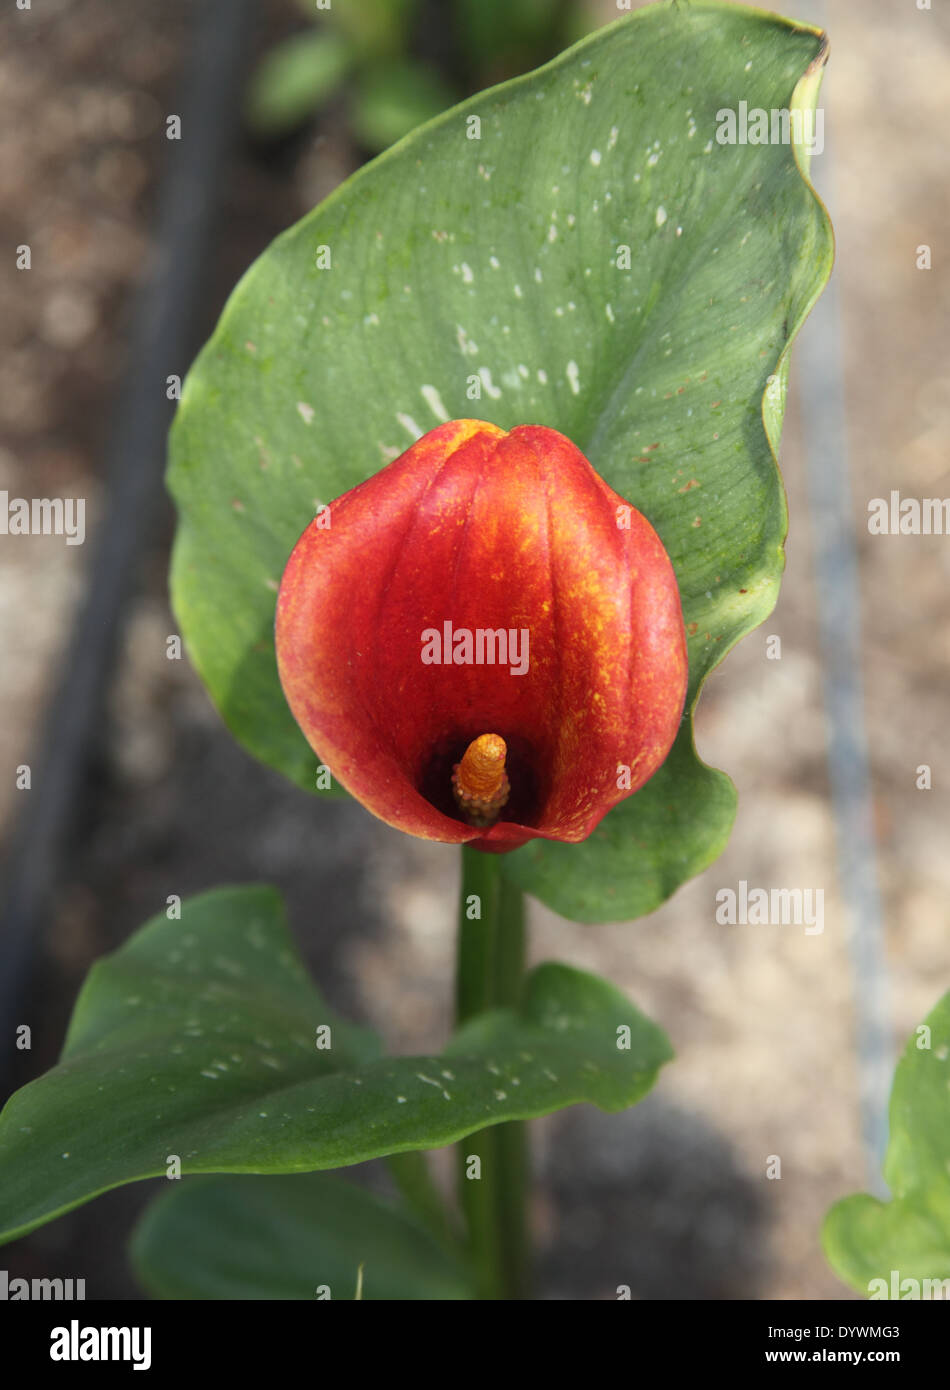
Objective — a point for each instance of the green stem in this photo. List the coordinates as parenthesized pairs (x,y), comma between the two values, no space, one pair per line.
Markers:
(490,974)
(411,1174)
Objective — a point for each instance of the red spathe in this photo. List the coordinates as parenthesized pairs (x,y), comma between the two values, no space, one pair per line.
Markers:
(485,530)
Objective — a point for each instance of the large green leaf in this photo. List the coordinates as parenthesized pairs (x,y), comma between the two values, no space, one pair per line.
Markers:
(499,260)
(287,1237)
(198,1039)
(907,1238)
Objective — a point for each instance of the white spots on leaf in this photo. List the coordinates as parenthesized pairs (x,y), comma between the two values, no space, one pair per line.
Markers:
(660,215)
(609,311)
(434,401)
(595,157)
(552,233)
(211,1075)
(371,320)
(230,966)
(542,376)
(537,274)
(614,132)
(464,341)
(438,1084)
(518,292)
(501,1095)
(467,273)
(523,371)
(306,412)
(489,387)
(409,425)
(573,376)
(494,262)
(653,159)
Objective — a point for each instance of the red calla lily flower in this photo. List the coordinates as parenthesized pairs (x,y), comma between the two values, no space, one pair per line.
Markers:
(483,642)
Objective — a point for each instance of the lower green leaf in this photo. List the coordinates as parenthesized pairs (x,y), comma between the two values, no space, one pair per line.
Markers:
(901,1248)
(302,1237)
(203,1040)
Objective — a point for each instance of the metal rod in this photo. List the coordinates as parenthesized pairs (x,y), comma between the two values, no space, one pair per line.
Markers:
(817,368)
(160,344)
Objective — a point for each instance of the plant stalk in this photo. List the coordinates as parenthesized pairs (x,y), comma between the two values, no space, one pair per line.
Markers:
(490,974)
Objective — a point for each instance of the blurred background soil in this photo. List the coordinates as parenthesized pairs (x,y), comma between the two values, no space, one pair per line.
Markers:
(671,1198)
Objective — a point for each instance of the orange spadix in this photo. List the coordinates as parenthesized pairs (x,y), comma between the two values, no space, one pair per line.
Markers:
(479,782)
